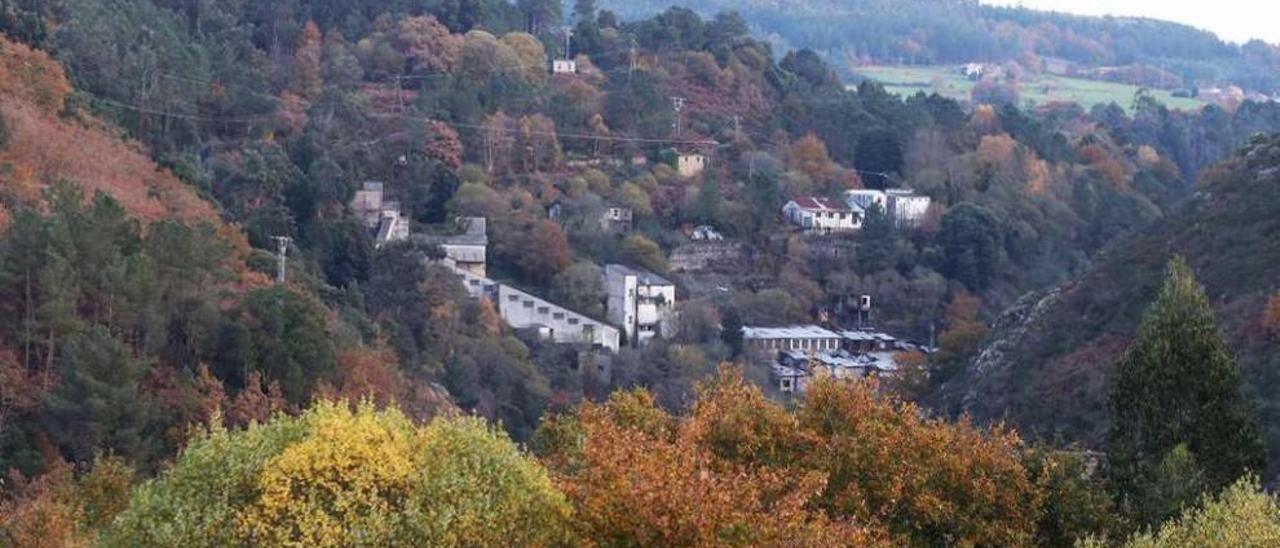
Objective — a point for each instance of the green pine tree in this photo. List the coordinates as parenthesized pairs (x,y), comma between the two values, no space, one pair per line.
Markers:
(1178,385)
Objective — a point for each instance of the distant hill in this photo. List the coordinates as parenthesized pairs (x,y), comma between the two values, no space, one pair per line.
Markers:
(1046,365)
(928,32)
(1041,89)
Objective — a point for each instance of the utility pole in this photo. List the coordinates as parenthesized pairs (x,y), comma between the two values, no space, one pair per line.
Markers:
(633,61)
(282,245)
(399,97)
(678,104)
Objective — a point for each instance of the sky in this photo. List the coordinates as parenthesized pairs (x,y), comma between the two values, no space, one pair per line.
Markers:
(1232,20)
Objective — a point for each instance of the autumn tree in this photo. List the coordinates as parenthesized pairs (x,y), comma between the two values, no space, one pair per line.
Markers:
(928,481)
(962,337)
(62,508)
(443,145)
(1178,385)
(1241,515)
(636,476)
(809,155)
(341,477)
(1271,315)
(427,45)
(544,252)
(308,75)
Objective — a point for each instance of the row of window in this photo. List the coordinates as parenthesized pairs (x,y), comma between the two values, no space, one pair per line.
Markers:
(799,344)
(544,310)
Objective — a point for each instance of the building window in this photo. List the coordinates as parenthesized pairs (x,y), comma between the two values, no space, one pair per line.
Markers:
(558,315)
(528,304)
(513,298)
(573,321)
(544,310)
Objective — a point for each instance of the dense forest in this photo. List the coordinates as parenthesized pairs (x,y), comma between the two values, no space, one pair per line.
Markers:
(156,387)
(855,32)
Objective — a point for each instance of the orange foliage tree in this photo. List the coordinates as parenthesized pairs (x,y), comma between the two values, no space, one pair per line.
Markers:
(809,155)
(638,477)
(927,480)
(1271,315)
(32,76)
(849,467)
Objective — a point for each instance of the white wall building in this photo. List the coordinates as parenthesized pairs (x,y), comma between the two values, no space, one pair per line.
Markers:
(862,199)
(469,250)
(822,215)
(564,66)
(616,219)
(691,165)
(800,337)
(522,310)
(906,207)
(641,302)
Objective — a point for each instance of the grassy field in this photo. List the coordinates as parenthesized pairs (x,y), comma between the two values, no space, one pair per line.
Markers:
(1040,89)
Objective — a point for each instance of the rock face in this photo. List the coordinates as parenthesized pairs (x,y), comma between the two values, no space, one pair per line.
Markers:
(1046,367)
(697,257)
(970,392)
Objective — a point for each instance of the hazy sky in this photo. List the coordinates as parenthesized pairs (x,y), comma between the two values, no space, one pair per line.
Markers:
(1234,20)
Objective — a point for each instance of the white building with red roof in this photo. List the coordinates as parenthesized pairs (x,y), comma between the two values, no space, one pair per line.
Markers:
(822,215)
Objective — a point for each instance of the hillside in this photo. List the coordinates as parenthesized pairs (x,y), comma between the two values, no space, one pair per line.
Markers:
(43,147)
(1046,365)
(853,33)
(1040,89)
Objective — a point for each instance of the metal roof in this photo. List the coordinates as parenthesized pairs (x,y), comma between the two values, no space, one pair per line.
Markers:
(820,204)
(791,332)
(643,276)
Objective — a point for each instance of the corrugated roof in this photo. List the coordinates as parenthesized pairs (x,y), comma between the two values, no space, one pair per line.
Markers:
(644,276)
(820,204)
(791,332)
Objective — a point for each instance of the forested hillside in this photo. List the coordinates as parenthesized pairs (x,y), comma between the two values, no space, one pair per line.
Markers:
(159,384)
(1047,366)
(854,32)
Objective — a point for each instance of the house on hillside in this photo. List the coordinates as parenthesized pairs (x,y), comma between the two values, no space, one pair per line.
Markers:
(380,216)
(564,66)
(467,250)
(617,219)
(907,208)
(691,165)
(705,233)
(640,301)
(862,199)
(822,215)
(904,206)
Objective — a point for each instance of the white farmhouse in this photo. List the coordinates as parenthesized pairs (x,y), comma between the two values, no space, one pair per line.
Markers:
(822,215)
(641,302)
